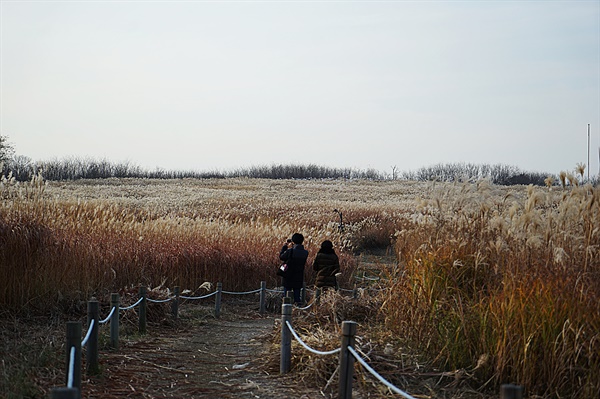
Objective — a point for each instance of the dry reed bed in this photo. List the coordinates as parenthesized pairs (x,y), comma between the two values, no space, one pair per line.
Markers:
(493,284)
(68,241)
(505,289)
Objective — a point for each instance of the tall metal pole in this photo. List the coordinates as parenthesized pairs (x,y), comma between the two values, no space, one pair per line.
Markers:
(588,165)
(599,153)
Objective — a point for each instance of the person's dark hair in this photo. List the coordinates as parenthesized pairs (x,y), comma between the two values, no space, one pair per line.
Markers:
(297,238)
(326,247)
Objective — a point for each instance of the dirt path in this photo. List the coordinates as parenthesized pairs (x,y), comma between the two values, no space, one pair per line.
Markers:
(202,357)
(198,358)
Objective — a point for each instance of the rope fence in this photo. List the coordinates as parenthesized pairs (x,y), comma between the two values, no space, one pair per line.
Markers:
(89,333)
(307,306)
(375,374)
(132,306)
(160,300)
(347,356)
(112,311)
(193,298)
(308,348)
(346,365)
(241,293)
(347,352)
(90,341)
(70,374)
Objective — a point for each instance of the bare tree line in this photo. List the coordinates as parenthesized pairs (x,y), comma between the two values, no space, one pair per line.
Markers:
(498,174)
(23,168)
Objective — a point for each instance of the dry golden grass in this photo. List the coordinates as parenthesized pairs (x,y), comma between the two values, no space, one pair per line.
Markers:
(492,284)
(68,241)
(513,279)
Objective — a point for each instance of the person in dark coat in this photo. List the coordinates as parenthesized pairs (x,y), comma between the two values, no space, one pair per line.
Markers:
(327,265)
(295,257)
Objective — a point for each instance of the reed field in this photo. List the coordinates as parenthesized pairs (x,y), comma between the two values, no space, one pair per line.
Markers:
(506,288)
(491,284)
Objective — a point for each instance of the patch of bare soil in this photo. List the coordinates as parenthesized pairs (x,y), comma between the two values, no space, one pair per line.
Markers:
(199,357)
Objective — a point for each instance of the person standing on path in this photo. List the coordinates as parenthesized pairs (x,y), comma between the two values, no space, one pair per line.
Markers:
(327,265)
(295,257)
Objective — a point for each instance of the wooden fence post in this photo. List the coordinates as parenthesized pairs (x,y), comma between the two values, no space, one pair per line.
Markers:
(64,393)
(218,300)
(509,391)
(347,360)
(175,304)
(286,336)
(92,344)
(114,321)
(143,312)
(263,296)
(74,341)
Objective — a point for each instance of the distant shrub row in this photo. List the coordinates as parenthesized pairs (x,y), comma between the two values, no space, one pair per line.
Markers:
(23,169)
(498,174)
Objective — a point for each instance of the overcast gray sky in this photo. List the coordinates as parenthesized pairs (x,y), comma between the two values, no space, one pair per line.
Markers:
(220,85)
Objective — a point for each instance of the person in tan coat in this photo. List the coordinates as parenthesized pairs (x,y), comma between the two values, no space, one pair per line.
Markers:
(327,265)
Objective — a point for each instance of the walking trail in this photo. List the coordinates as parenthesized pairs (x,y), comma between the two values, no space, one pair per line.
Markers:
(198,357)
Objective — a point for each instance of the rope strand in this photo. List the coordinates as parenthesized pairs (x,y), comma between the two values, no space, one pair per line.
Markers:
(109,316)
(385,382)
(89,333)
(308,348)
